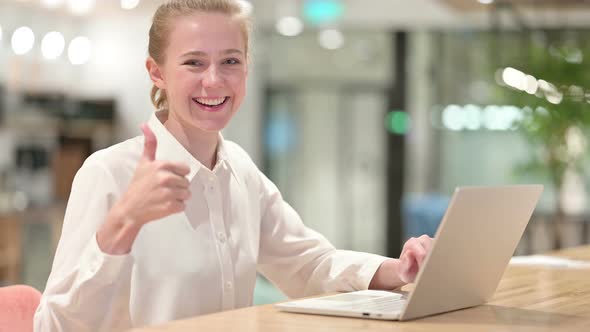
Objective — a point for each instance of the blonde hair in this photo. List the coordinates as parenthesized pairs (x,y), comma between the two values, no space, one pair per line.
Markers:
(161,26)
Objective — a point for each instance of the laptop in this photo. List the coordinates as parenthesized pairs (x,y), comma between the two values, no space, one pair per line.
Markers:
(472,247)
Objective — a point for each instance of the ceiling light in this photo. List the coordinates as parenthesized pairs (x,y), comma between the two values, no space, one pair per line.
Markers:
(23,39)
(289,26)
(129,4)
(331,39)
(81,7)
(51,4)
(53,45)
(80,50)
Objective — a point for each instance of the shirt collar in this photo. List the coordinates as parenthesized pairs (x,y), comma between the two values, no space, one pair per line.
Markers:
(223,155)
(170,149)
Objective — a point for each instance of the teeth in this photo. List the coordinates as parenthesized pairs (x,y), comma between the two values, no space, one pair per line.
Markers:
(210,101)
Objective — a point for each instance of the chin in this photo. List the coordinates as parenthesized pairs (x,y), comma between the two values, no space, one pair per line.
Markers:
(208,122)
(212,126)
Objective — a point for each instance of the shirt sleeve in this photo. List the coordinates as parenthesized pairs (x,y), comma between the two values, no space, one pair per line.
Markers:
(87,289)
(300,261)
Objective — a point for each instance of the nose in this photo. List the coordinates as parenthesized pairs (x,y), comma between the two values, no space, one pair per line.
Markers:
(211,78)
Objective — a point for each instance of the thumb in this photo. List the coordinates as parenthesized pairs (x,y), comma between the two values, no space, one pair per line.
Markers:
(150,143)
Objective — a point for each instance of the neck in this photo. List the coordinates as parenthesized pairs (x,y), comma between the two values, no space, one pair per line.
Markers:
(200,144)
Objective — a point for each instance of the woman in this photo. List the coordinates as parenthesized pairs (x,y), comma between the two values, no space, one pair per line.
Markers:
(177,222)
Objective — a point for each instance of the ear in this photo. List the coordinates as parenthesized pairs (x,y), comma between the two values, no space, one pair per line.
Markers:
(155,73)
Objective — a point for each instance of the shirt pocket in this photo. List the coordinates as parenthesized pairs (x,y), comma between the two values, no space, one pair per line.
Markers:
(172,247)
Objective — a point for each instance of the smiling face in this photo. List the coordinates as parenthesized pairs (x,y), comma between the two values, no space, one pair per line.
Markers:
(204,70)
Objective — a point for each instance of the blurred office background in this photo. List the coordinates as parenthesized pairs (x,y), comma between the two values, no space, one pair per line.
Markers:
(366,113)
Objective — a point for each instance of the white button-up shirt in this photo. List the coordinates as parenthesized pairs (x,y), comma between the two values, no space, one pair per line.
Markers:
(200,261)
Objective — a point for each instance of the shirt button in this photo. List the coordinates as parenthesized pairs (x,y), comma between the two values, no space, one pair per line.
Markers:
(221,237)
(229,285)
(211,179)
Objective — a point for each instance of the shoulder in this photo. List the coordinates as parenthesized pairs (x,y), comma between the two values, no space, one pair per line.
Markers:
(238,157)
(246,169)
(243,166)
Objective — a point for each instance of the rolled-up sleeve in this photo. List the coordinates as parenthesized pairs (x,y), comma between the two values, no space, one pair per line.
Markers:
(302,262)
(87,289)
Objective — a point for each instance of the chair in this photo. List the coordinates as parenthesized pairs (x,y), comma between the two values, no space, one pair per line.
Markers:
(18,304)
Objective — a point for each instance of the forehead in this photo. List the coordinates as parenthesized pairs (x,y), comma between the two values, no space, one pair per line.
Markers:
(206,32)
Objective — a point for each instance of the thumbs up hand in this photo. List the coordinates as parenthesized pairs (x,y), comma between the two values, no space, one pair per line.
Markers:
(158,189)
(150,143)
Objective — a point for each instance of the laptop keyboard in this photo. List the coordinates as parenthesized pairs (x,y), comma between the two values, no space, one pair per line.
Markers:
(383,304)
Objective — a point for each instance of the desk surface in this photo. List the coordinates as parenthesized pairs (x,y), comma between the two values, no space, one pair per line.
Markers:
(527,299)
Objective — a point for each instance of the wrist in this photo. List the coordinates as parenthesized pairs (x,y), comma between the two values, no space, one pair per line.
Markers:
(118,232)
(387,276)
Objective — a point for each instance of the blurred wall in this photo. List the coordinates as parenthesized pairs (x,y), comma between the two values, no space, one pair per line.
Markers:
(116,69)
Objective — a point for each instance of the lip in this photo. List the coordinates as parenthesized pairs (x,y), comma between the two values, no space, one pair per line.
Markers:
(208,108)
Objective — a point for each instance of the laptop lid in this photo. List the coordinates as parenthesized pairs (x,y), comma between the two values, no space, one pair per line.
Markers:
(472,247)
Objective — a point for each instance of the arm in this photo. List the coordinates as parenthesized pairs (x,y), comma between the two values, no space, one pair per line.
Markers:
(386,276)
(302,262)
(394,273)
(85,284)
(88,289)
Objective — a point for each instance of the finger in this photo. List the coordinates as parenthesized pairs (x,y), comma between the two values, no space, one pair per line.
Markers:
(178,168)
(174,206)
(426,242)
(182,194)
(413,266)
(409,242)
(408,258)
(406,249)
(405,266)
(418,252)
(150,143)
(412,243)
(173,180)
(421,246)
(169,194)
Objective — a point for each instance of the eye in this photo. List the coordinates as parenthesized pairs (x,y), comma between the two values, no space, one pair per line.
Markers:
(193,63)
(232,61)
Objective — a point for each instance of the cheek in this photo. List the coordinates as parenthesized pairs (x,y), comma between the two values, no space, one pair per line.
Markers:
(179,93)
(239,87)
(178,77)
(187,81)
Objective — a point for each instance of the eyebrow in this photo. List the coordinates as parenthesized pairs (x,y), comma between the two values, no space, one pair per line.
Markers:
(201,53)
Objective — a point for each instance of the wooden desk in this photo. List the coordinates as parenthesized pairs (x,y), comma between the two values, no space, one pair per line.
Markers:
(528,299)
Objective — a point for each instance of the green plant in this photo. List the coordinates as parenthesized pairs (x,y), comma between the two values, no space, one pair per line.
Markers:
(556,107)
